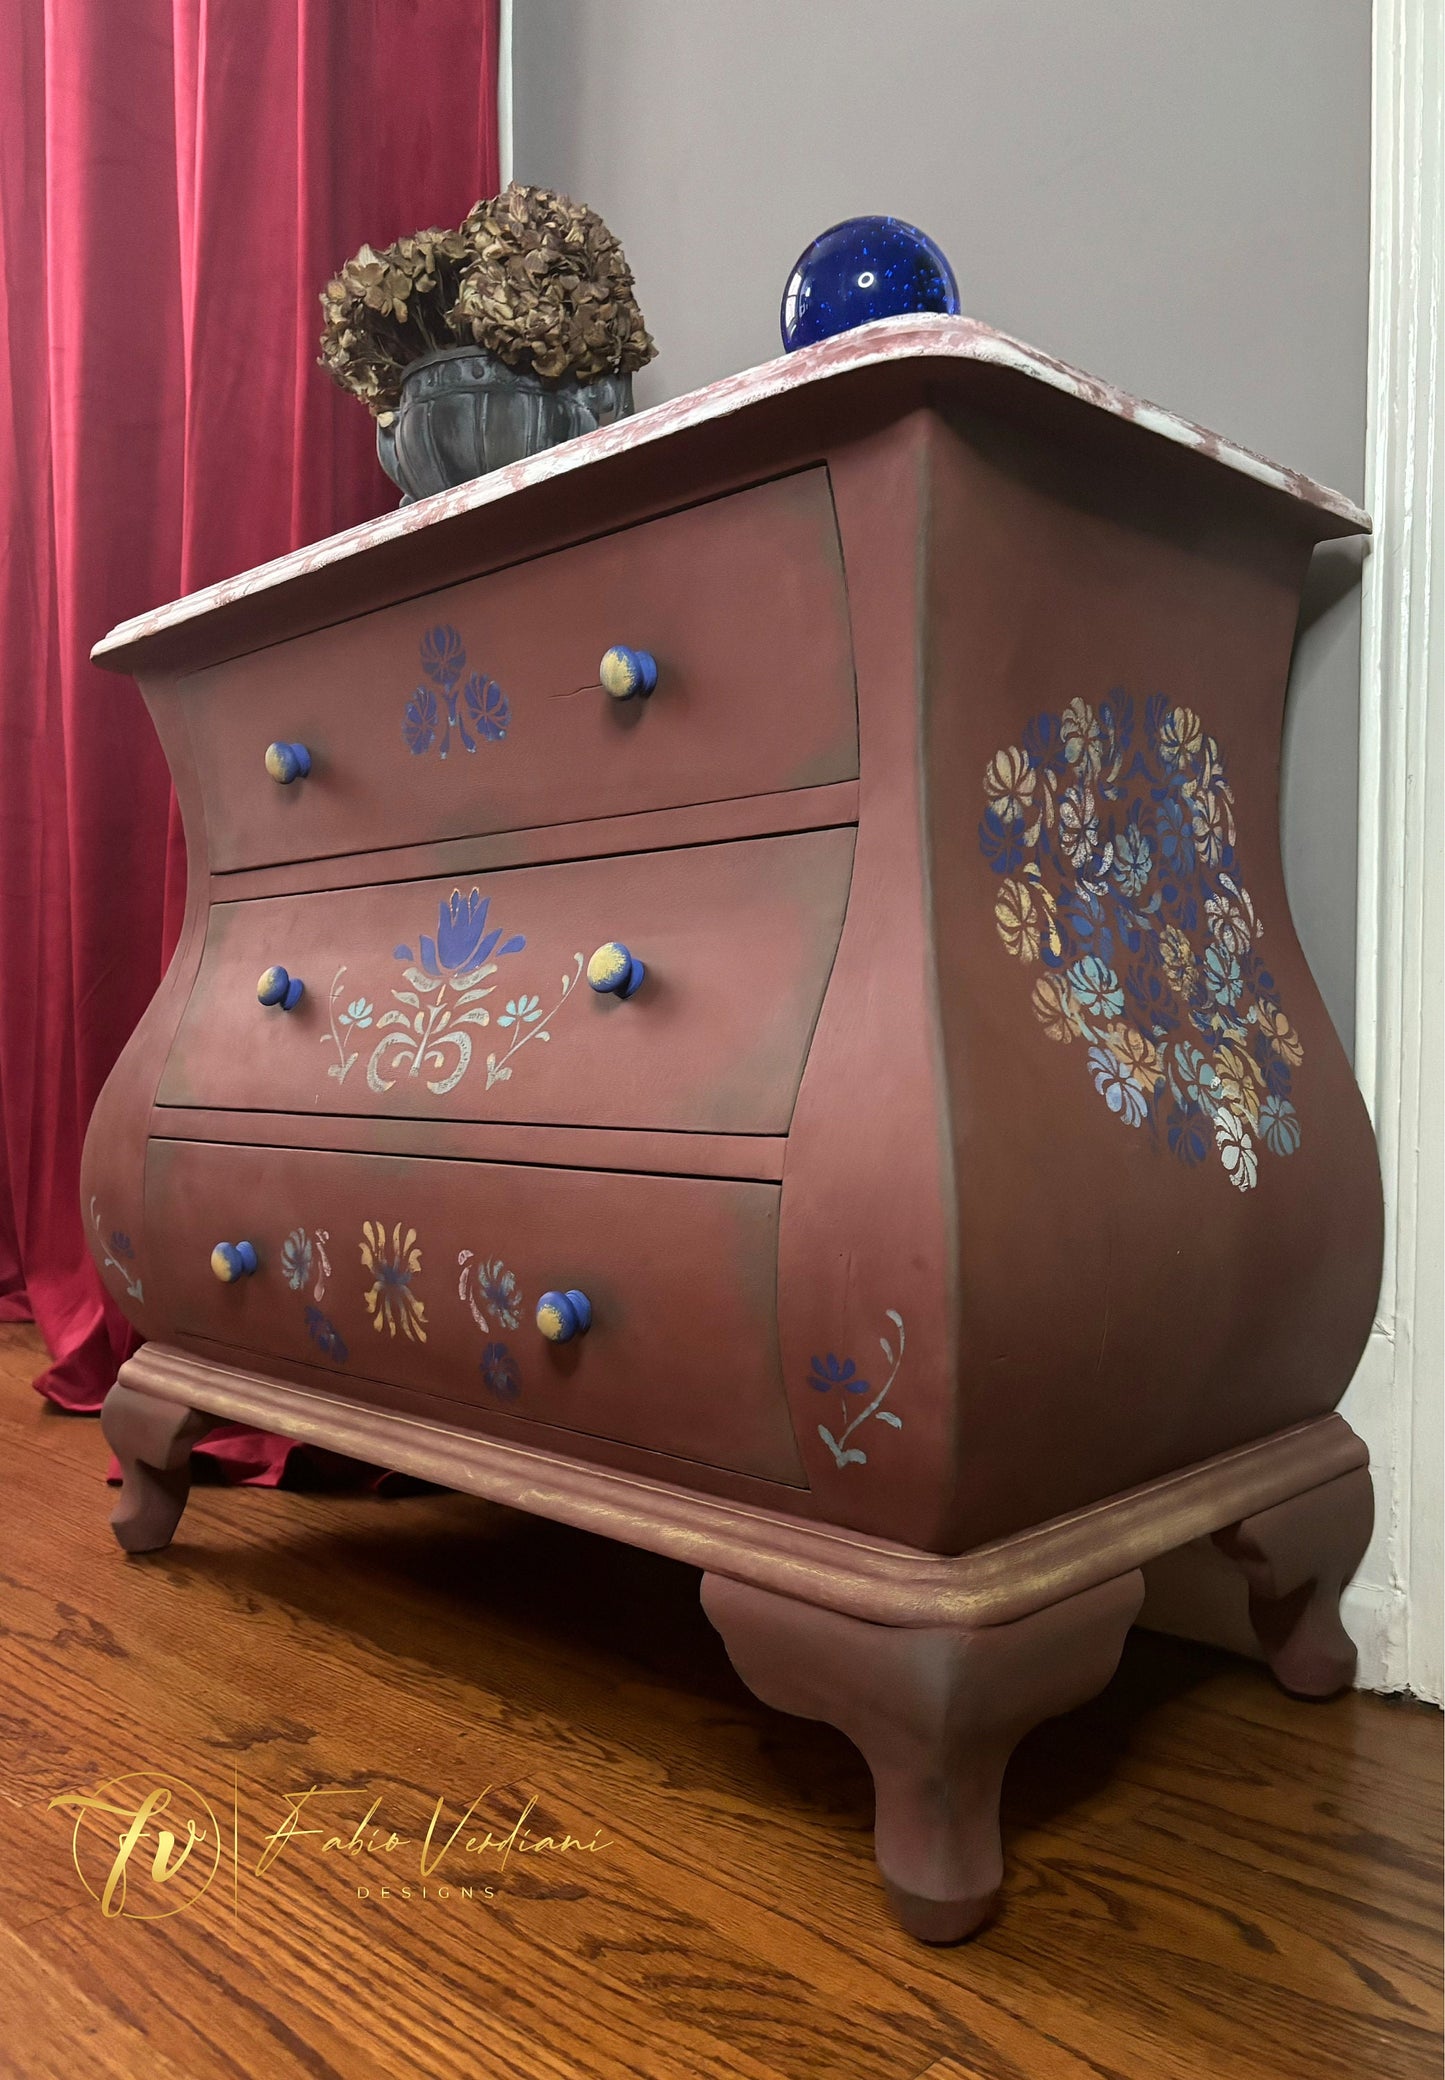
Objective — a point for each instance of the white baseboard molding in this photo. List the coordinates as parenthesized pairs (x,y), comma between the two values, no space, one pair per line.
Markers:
(1376,1618)
(1395,1610)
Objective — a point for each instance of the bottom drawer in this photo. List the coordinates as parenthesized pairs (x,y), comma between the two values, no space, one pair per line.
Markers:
(427,1275)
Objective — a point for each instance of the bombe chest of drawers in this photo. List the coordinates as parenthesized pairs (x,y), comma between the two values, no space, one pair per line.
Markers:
(738,992)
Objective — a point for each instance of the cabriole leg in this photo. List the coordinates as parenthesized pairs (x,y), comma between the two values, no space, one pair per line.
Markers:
(1296,1559)
(152,1440)
(936,1711)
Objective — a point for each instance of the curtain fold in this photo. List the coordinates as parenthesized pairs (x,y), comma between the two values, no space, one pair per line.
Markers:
(178,178)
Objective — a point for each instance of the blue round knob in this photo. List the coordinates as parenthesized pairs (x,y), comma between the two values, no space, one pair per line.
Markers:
(233,1260)
(287,762)
(613,971)
(561,1316)
(628,673)
(277,987)
(862,269)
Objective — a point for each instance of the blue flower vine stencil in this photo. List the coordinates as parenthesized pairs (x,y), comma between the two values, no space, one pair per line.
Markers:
(326,1337)
(499,1371)
(118,1254)
(475,704)
(490,1290)
(431,1023)
(296,1259)
(494,1297)
(301,1254)
(1118,875)
(355,1018)
(830,1373)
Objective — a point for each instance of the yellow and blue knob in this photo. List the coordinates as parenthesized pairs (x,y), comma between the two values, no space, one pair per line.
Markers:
(561,1316)
(277,987)
(287,762)
(628,674)
(233,1260)
(613,972)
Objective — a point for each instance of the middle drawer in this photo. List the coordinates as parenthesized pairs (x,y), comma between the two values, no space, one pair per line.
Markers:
(469,998)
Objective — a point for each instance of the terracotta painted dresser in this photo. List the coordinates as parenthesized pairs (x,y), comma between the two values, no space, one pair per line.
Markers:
(783,1040)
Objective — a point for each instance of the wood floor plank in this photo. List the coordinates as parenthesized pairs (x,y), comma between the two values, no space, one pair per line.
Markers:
(1206,1878)
(59,2033)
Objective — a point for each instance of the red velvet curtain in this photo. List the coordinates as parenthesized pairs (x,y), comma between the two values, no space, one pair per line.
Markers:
(177,180)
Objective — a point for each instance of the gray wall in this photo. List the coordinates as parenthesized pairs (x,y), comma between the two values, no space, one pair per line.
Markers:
(1173,194)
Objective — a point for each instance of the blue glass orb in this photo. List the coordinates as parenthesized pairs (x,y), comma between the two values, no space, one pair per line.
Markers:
(865,268)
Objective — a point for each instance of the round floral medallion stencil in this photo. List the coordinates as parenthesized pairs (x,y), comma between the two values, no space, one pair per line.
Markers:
(1114,844)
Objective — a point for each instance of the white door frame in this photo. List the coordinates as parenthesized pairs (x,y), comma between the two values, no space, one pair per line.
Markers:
(1394,1606)
(506,36)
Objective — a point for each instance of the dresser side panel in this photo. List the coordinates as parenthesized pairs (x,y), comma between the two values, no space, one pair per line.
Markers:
(112,1170)
(1145,1282)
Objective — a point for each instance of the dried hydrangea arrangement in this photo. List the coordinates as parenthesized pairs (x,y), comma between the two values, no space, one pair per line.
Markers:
(531,276)
(385,310)
(550,288)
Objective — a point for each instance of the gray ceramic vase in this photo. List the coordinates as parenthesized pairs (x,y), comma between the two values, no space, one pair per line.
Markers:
(463,412)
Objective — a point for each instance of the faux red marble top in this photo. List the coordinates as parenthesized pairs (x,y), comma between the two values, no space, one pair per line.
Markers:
(889,340)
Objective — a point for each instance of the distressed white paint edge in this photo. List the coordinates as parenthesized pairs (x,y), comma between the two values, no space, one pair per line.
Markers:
(917,336)
(1395,1604)
(505,44)
(1376,1616)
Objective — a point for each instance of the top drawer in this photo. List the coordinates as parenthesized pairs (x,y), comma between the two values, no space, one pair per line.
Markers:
(476,709)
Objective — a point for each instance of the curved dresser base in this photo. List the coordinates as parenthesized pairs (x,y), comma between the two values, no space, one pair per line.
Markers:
(935,1666)
(845,1571)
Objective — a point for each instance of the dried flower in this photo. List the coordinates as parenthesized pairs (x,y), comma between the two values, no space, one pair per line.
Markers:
(531,276)
(385,310)
(550,288)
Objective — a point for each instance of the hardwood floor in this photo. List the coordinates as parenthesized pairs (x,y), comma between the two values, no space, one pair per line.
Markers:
(1207,1881)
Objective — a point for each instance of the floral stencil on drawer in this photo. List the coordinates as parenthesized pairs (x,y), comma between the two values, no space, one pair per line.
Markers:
(304,1259)
(438,1265)
(393,1263)
(475,707)
(492,1294)
(464,999)
(432,1024)
(1114,840)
